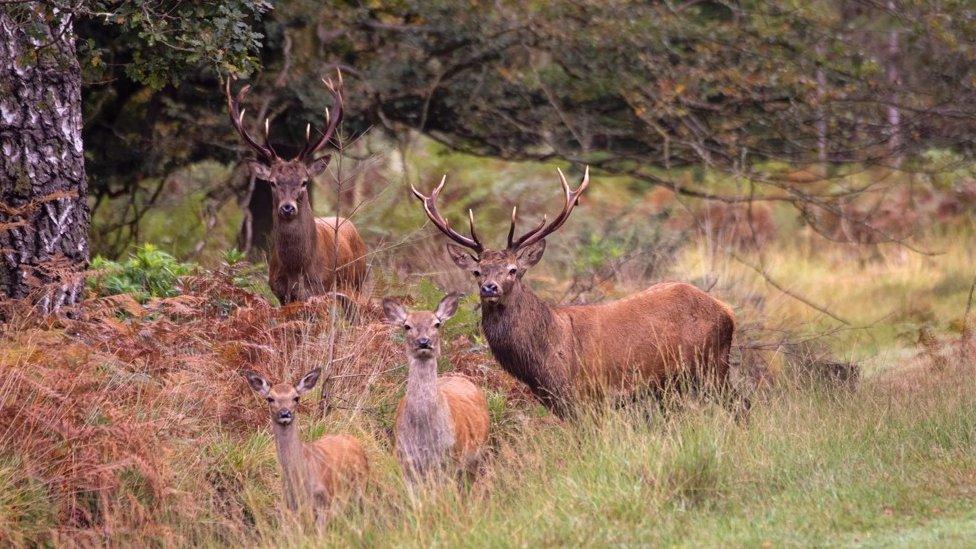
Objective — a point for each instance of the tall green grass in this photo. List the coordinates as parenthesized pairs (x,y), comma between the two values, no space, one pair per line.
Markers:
(810,467)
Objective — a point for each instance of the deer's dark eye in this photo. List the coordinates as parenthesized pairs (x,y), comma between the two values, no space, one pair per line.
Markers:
(406,327)
(270,400)
(296,400)
(512,271)
(305,183)
(437,324)
(476,273)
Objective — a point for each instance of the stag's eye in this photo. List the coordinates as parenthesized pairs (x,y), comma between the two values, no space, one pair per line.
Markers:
(296,400)
(512,271)
(305,183)
(270,400)
(476,273)
(437,324)
(406,327)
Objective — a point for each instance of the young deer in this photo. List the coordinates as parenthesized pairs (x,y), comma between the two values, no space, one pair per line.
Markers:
(318,472)
(441,423)
(309,256)
(664,333)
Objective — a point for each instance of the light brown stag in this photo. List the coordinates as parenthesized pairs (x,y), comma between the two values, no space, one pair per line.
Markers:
(670,331)
(331,468)
(441,422)
(309,256)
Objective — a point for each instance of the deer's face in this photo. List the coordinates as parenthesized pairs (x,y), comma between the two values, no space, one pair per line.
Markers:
(282,398)
(421,329)
(289,180)
(497,272)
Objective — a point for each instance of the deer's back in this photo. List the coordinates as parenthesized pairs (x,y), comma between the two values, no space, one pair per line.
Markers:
(338,463)
(469,414)
(651,335)
(343,249)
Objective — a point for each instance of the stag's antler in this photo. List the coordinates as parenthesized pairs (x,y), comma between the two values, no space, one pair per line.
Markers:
(265,152)
(542,230)
(430,206)
(331,119)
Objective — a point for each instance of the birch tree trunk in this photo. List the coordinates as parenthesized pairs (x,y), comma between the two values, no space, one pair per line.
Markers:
(44,215)
(894,80)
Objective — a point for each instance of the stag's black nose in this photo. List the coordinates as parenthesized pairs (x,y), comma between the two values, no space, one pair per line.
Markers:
(489,289)
(288,209)
(423,343)
(284,414)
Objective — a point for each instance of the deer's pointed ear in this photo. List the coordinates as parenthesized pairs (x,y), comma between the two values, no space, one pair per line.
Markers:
(257,382)
(531,254)
(319,165)
(394,311)
(308,381)
(260,170)
(461,257)
(448,306)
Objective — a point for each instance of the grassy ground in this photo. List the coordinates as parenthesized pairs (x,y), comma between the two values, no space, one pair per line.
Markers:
(130,421)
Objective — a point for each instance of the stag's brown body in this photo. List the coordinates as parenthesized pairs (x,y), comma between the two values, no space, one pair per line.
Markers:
(312,256)
(669,331)
(309,256)
(666,332)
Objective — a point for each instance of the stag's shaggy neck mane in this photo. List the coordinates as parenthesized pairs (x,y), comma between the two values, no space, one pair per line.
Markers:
(295,240)
(522,332)
(293,467)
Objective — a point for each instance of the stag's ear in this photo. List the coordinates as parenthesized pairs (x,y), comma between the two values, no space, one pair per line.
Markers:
(461,257)
(531,254)
(447,307)
(260,170)
(308,381)
(257,382)
(319,165)
(394,311)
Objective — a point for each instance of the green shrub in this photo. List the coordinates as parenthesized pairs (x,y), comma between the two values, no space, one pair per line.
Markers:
(148,272)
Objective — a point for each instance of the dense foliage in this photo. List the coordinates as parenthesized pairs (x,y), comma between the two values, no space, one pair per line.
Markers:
(636,88)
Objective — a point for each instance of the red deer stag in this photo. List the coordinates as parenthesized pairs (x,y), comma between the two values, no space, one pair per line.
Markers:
(441,422)
(665,333)
(309,255)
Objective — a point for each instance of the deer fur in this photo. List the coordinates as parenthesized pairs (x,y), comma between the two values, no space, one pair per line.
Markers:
(309,256)
(441,422)
(565,354)
(668,332)
(318,472)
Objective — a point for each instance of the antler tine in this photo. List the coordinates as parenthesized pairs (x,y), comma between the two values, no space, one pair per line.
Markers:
(267,136)
(331,119)
(430,208)
(515,244)
(266,153)
(543,230)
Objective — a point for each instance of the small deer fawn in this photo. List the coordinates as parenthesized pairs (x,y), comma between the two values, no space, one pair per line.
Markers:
(318,472)
(565,353)
(441,423)
(309,256)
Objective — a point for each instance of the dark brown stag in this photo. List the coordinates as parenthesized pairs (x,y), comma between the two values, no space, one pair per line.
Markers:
(309,255)
(565,354)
